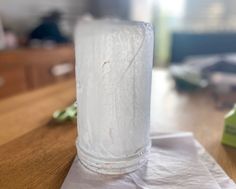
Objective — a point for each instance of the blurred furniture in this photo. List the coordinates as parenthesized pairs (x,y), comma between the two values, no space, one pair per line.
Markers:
(25,69)
(187,44)
(36,153)
(223,89)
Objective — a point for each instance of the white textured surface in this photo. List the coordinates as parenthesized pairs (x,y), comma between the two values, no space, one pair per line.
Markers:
(177,161)
(113,68)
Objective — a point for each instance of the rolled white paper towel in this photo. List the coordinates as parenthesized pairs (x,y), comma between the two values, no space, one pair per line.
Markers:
(113,72)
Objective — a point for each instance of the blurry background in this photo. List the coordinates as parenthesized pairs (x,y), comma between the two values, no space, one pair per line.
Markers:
(194,40)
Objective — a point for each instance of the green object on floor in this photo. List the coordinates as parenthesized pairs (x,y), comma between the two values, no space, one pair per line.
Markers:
(229,135)
(67,114)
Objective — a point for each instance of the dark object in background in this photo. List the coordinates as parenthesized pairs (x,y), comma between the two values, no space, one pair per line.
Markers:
(189,44)
(48,29)
(111,8)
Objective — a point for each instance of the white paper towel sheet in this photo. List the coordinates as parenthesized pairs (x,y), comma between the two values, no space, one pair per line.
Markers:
(176,161)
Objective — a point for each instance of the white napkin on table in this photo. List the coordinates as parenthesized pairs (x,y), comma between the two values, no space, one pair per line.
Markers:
(176,161)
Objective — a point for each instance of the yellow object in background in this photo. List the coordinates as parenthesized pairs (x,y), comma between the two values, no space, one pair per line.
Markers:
(229,135)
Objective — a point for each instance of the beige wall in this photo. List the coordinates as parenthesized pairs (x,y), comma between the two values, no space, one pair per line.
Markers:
(210,15)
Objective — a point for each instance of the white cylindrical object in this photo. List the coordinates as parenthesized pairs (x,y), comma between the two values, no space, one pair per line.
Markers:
(113,72)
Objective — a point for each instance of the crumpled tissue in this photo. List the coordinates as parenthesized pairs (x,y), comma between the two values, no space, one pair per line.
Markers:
(176,161)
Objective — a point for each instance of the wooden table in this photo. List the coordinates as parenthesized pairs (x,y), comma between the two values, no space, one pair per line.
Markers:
(35,153)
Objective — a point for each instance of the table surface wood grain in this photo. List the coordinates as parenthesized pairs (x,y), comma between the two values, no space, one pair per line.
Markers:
(36,153)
